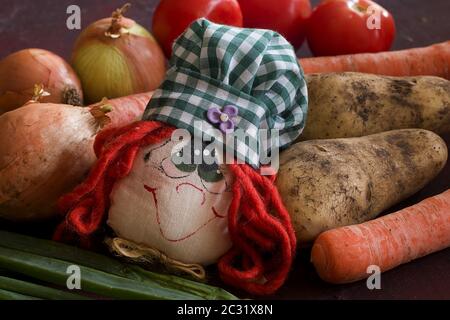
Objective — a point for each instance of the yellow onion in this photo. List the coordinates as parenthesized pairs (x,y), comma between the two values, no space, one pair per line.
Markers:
(21,71)
(115,57)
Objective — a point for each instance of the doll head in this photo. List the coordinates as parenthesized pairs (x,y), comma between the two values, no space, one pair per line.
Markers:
(179,209)
(224,84)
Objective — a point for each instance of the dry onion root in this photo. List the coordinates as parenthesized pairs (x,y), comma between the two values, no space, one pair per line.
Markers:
(115,57)
(22,70)
(47,149)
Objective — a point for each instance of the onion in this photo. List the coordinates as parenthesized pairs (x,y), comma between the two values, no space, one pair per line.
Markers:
(21,71)
(46,149)
(115,57)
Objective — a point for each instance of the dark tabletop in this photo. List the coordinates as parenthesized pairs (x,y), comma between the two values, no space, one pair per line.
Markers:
(42,24)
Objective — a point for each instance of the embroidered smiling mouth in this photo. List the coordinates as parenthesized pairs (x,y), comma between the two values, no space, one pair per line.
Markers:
(153,191)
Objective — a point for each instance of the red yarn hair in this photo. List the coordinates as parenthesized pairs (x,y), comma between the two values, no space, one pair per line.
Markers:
(260,228)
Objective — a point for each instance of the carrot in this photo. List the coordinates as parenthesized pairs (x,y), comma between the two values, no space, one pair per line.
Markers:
(47,149)
(433,60)
(128,109)
(343,255)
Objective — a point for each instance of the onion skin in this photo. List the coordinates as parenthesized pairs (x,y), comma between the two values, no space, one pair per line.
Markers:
(47,149)
(34,149)
(20,71)
(115,67)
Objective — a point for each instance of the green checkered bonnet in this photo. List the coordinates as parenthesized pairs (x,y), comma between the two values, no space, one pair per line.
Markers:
(255,71)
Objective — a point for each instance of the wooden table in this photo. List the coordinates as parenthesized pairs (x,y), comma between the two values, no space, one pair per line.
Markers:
(42,24)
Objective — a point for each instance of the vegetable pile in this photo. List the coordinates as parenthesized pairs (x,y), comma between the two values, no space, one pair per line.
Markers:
(379,113)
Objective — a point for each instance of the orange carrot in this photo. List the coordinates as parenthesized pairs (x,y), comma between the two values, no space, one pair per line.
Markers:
(129,108)
(343,255)
(433,61)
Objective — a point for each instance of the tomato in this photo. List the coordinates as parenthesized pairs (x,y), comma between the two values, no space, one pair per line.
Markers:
(288,17)
(172,17)
(350,26)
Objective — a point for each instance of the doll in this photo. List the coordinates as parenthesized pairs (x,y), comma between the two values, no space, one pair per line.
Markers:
(222,80)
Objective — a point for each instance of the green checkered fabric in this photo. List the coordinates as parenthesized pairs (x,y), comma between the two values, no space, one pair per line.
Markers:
(255,70)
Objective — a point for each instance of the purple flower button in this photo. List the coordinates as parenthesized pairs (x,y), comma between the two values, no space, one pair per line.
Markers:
(223,117)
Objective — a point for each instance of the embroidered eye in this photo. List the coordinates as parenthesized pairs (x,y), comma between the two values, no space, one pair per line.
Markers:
(177,160)
(210,172)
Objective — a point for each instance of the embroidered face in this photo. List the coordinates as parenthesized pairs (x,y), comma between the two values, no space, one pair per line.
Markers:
(180,210)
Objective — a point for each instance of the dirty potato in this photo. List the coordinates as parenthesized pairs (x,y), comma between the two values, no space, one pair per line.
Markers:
(355,104)
(331,183)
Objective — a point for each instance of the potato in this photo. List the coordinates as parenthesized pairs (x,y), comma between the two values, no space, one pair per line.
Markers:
(350,104)
(331,183)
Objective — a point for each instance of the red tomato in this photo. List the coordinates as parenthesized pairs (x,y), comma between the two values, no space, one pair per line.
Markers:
(172,17)
(288,17)
(350,26)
